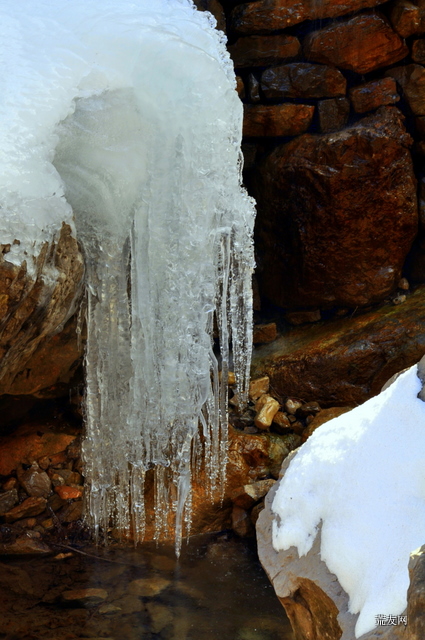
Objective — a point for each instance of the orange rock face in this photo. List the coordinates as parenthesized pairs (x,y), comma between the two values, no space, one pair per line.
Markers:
(302,80)
(326,204)
(371,95)
(277,120)
(270,15)
(259,51)
(361,44)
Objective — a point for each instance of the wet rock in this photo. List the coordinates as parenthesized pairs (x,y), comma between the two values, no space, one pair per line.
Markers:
(28,443)
(309,408)
(321,200)
(418,51)
(35,481)
(277,120)
(270,15)
(260,51)
(86,597)
(346,361)
(15,579)
(148,587)
(72,512)
(361,44)
(8,499)
(411,79)
(267,411)
(27,508)
(302,80)
(405,18)
(281,422)
(264,333)
(258,387)
(241,522)
(371,95)
(333,114)
(247,495)
(24,545)
(32,311)
(292,405)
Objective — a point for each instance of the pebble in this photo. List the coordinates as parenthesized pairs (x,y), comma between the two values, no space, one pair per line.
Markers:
(267,412)
(69,493)
(291,406)
(281,419)
(309,408)
(85,596)
(258,387)
(8,501)
(30,507)
(35,481)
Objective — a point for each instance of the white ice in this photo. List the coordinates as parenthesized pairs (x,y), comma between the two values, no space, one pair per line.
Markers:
(361,476)
(122,117)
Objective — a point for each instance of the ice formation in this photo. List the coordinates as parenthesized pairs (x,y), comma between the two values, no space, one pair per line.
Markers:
(123,116)
(361,476)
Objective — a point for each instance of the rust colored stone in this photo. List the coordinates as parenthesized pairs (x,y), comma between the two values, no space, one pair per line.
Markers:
(258,387)
(30,443)
(277,120)
(346,361)
(69,493)
(265,16)
(302,80)
(241,522)
(333,114)
(247,495)
(405,18)
(264,333)
(337,215)
(27,508)
(240,87)
(371,95)
(361,44)
(266,413)
(260,51)
(418,51)
(411,78)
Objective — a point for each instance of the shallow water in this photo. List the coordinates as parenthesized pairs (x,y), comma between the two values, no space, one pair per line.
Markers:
(216,591)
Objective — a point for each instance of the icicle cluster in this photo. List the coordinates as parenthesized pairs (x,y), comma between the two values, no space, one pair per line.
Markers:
(145,149)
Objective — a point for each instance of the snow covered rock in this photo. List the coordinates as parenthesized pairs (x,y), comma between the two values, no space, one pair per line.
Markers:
(338,528)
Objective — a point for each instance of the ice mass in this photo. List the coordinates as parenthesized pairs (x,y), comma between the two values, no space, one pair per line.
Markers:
(122,120)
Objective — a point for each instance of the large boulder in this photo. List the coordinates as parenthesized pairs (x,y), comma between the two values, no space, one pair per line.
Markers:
(36,351)
(337,215)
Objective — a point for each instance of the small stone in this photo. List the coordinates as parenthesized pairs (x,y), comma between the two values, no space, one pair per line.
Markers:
(24,545)
(285,119)
(265,415)
(240,87)
(8,500)
(44,463)
(63,556)
(247,495)
(309,408)
(333,114)
(297,427)
(69,493)
(399,299)
(48,524)
(264,333)
(70,477)
(371,95)
(241,522)
(11,483)
(262,400)
(85,596)
(403,284)
(292,405)
(108,609)
(258,387)
(303,317)
(411,78)
(57,480)
(27,523)
(71,512)
(281,419)
(35,481)
(418,51)
(148,587)
(29,507)
(55,502)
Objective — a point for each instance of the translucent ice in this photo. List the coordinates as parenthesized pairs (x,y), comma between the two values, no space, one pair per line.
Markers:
(124,117)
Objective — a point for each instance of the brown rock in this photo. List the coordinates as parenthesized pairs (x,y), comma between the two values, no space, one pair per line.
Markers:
(247,495)
(258,387)
(24,545)
(346,361)
(260,51)
(32,310)
(30,443)
(302,80)
(86,596)
(324,416)
(270,15)
(333,114)
(277,120)
(8,499)
(266,413)
(405,18)
(418,51)
(411,79)
(241,522)
(321,201)
(72,512)
(240,87)
(361,44)
(35,481)
(281,420)
(371,95)
(416,595)
(148,587)
(307,409)
(264,333)
(27,508)
(253,88)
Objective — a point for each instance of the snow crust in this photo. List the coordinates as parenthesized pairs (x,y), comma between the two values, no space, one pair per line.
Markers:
(361,477)
(123,118)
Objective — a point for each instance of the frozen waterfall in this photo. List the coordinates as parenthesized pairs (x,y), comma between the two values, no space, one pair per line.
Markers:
(123,118)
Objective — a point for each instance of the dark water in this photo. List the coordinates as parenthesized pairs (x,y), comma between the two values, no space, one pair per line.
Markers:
(216,591)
